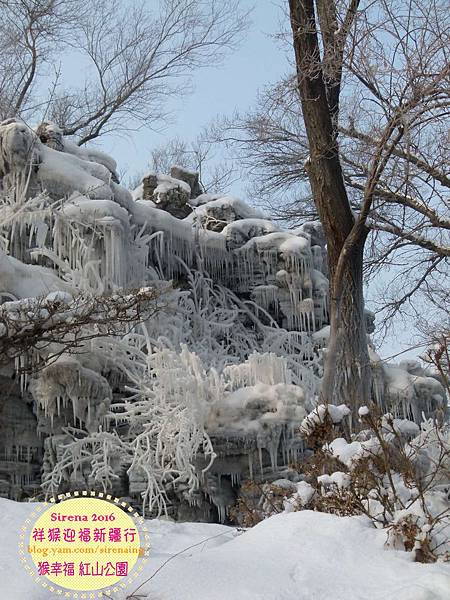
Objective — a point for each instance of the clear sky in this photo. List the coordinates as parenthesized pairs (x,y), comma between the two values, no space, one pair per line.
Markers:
(219,90)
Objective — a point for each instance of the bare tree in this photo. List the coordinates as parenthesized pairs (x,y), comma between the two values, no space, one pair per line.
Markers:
(359,137)
(30,30)
(135,58)
(346,373)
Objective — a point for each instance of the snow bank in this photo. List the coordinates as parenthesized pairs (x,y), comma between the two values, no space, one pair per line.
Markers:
(302,556)
(296,556)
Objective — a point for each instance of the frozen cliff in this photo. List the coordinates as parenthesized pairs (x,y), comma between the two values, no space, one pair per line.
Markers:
(176,399)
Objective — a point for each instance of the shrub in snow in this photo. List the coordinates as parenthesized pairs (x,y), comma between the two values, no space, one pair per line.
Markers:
(258,501)
(393,472)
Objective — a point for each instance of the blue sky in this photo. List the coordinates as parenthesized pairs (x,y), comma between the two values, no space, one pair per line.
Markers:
(220,90)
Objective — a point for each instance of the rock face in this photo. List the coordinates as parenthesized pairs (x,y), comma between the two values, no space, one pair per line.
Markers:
(189,177)
(168,193)
(172,193)
(238,346)
(21,448)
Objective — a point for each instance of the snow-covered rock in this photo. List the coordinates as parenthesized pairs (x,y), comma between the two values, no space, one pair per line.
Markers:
(234,353)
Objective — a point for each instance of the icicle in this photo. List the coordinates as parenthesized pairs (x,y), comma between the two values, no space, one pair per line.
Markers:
(222,513)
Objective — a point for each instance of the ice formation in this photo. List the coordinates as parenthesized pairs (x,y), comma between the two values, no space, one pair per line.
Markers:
(213,388)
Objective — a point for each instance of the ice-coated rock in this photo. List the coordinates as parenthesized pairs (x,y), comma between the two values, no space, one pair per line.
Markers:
(238,347)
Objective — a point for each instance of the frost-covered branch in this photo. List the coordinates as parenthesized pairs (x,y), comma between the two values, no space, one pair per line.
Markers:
(60,323)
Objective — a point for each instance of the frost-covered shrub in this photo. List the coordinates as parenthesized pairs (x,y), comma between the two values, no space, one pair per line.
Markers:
(394,472)
(192,371)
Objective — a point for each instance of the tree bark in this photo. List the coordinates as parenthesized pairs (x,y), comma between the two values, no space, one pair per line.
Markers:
(347,373)
(347,368)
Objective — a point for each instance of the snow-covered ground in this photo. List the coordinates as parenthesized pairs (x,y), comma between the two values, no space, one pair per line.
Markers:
(295,556)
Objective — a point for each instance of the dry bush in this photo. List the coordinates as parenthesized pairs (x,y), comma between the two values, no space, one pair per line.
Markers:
(393,472)
(395,475)
(256,502)
(38,330)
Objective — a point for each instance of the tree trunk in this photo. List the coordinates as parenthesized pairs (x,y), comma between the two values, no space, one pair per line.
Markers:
(347,374)
(347,369)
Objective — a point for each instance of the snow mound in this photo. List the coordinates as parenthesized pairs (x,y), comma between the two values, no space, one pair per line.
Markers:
(296,556)
(302,556)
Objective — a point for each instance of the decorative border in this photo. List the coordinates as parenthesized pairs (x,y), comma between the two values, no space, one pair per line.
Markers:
(64,593)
